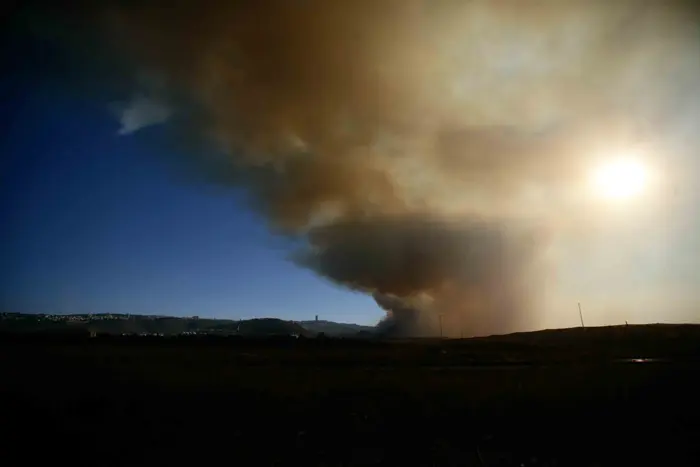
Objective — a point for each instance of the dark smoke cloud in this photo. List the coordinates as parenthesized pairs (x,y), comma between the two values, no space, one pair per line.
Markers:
(477,275)
(402,319)
(422,147)
(415,254)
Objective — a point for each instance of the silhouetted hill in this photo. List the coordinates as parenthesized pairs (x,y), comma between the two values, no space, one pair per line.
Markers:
(652,340)
(331,328)
(271,327)
(116,324)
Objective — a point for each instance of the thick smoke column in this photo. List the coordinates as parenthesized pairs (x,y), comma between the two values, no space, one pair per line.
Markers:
(423,148)
(475,274)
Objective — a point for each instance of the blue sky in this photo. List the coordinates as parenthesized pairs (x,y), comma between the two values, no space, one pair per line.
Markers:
(94,221)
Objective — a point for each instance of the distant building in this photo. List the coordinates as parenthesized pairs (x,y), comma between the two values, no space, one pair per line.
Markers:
(316,317)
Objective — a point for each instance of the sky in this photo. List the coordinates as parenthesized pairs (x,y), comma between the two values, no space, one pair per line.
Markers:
(92,221)
(437,157)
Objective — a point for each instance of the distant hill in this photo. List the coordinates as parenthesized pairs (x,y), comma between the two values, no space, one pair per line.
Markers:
(118,324)
(271,327)
(331,328)
(679,341)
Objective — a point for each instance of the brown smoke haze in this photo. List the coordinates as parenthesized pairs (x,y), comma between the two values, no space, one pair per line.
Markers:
(433,153)
(473,273)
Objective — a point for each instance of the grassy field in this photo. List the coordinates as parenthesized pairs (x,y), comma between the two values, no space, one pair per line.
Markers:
(551,398)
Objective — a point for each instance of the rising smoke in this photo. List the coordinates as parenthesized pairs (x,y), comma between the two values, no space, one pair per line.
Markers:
(426,150)
(462,275)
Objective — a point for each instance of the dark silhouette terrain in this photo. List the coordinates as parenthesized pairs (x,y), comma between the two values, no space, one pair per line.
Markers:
(558,397)
(119,324)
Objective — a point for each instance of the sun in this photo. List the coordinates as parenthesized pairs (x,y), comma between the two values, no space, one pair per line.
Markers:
(619,179)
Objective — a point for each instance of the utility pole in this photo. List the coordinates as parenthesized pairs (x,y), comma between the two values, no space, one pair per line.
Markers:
(580,314)
(440,316)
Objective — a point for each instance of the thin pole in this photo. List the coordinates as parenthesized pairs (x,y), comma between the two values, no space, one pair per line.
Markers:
(440,325)
(580,314)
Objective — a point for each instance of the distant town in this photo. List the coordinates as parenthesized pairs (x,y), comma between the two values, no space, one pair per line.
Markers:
(160,325)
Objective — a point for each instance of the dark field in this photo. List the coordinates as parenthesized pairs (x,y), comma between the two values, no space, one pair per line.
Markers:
(549,398)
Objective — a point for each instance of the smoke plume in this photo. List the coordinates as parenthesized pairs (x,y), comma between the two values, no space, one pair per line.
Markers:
(427,150)
(468,275)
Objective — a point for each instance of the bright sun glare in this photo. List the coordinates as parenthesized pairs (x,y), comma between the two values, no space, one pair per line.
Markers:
(620,179)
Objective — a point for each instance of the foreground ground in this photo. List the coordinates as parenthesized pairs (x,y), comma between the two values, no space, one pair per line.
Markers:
(552,398)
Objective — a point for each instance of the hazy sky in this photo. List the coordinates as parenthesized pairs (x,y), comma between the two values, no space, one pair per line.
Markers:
(436,155)
(91,221)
